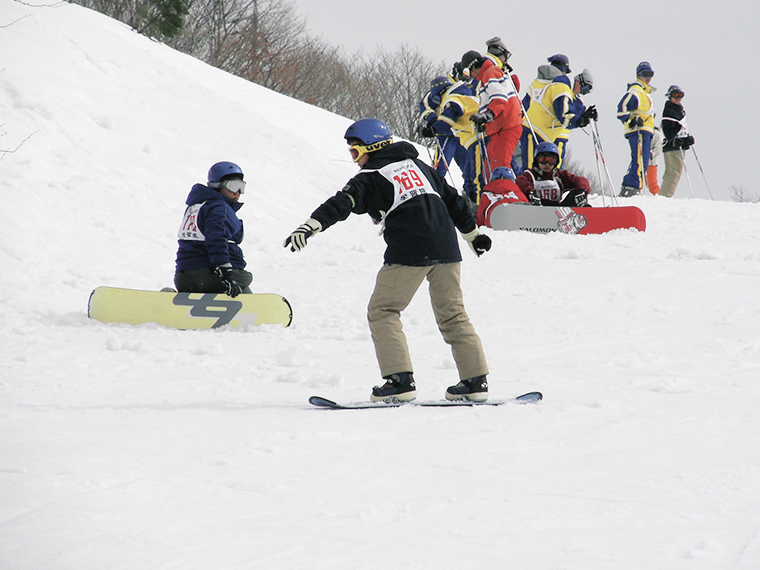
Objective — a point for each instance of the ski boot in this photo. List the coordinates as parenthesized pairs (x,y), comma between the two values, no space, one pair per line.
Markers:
(473,389)
(628,191)
(398,387)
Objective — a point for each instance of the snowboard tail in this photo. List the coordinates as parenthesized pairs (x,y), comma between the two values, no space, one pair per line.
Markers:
(187,311)
(320,402)
(547,219)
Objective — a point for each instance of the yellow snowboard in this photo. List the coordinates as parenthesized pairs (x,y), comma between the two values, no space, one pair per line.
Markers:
(187,310)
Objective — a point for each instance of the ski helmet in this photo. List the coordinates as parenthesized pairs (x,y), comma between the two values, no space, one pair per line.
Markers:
(369,131)
(503,172)
(675,90)
(560,61)
(471,59)
(372,134)
(548,148)
(644,69)
(497,48)
(222,170)
(438,84)
(586,81)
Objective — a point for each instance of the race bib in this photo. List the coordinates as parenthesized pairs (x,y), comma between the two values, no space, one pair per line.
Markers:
(548,190)
(189,228)
(408,182)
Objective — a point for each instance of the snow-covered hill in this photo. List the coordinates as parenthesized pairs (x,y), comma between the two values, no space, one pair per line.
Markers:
(143,447)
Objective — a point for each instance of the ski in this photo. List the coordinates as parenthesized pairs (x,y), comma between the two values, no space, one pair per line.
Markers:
(529,398)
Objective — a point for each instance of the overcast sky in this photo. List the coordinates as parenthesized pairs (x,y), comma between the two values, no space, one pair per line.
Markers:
(708,48)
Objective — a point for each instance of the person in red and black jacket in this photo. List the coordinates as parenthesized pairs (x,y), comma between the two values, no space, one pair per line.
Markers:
(553,187)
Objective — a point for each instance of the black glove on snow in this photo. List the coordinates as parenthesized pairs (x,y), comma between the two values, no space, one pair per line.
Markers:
(636,122)
(224,272)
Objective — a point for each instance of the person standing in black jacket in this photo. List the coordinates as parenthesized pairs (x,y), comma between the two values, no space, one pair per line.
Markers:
(419,213)
(677,140)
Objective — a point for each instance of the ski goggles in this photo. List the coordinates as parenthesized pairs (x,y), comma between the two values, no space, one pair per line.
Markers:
(646,73)
(235,186)
(585,87)
(359,150)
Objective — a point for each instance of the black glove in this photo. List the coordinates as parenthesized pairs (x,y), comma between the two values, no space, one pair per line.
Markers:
(297,239)
(480,119)
(591,114)
(224,272)
(688,141)
(534,199)
(479,243)
(426,131)
(636,122)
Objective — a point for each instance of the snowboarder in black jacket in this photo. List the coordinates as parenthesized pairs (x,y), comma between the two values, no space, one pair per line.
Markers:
(677,140)
(419,212)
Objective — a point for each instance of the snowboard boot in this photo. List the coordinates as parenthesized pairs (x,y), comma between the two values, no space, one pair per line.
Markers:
(397,388)
(473,389)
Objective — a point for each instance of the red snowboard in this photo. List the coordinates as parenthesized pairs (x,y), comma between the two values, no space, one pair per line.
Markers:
(546,219)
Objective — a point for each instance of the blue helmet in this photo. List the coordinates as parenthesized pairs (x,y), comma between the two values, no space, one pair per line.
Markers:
(560,61)
(438,84)
(220,170)
(372,134)
(503,172)
(644,69)
(369,131)
(547,148)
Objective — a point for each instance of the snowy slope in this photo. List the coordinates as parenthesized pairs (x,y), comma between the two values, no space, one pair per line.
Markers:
(142,447)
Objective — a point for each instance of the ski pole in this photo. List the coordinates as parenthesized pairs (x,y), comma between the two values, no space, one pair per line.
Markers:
(484,156)
(686,170)
(599,167)
(522,107)
(445,162)
(703,173)
(598,140)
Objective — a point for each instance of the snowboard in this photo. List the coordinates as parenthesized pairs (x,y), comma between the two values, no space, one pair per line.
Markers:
(187,310)
(546,219)
(320,402)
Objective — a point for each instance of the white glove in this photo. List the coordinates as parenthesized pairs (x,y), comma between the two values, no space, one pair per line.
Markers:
(297,240)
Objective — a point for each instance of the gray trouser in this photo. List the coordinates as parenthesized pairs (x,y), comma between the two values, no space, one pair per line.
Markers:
(204,280)
(673,168)
(394,289)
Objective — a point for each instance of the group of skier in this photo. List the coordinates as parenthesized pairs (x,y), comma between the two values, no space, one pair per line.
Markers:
(478,121)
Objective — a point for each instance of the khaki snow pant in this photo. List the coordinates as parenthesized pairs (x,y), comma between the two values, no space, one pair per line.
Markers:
(395,287)
(673,169)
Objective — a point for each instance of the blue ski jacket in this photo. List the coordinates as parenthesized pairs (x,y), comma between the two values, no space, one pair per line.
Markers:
(211,233)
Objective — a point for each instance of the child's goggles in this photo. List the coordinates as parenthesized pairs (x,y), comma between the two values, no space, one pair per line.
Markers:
(234,186)
(359,150)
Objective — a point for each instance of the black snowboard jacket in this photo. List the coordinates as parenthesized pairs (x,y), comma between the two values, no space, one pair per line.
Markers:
(419,231)
(672,115)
